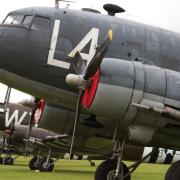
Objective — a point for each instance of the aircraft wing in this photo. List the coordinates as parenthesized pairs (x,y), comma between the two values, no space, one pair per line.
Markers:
(48,141)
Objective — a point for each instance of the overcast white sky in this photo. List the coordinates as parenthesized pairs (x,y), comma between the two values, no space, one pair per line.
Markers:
(162,13)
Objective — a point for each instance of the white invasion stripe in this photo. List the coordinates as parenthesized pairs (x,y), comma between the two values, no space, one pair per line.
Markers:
(66,156)
(161,156)
(176,156)
(2,110)
(147,150)
(75,157)
(85,157)
(51,60)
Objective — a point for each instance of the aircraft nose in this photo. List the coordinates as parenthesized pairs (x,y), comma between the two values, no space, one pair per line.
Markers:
(12,43)
(22,50)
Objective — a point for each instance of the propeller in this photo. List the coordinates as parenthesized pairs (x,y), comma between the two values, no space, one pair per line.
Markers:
(82,79)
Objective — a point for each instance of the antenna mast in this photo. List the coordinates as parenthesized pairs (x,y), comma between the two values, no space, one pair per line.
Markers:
(57,4)
(67,1)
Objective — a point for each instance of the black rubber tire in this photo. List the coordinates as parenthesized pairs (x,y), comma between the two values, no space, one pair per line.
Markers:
(1,160)
(33,164)
(42,165)
(173,173)
(8,161)
(107,167)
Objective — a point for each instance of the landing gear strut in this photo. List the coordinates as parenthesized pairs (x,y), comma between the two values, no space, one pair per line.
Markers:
(114,169)
(1,160)
(92,163)
(43,164)
(107,170)
(1,152)
(46,164)
(8,160)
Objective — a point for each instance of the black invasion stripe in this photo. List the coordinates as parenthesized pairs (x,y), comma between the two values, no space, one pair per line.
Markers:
(168,159)
(80,157)
(154,156)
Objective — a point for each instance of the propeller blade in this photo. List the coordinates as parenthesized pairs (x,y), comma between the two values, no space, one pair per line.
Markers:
(81,93)
(90,71)
(79,64)
(98,57)
(30,125)
(3,145)
(29,131)
(12,127)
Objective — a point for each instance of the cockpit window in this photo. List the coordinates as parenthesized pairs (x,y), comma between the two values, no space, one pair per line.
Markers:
(14,19)
(41,24)
(27,20)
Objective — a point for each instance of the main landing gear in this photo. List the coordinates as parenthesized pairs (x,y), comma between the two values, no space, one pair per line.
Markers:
(7,159)
(114,168)
(107,170)
(43,164)
(173,172)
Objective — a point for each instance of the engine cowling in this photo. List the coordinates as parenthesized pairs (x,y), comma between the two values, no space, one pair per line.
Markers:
(126,87)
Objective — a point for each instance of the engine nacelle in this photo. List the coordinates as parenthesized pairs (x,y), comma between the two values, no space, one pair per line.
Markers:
(127,86)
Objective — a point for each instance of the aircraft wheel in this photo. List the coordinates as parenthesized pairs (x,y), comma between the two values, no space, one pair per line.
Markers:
(45,168)
(1,160)
(8,161)
(106,170)
(33,164)
(173,173)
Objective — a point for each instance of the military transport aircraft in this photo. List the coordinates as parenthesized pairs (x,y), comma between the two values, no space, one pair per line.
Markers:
(123,74)
(43,141)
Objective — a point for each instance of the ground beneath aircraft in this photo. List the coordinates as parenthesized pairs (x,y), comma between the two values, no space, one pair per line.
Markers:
(74,170)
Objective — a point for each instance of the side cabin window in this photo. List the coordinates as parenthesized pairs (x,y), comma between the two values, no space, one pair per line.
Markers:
(41,24)
(14,19)
(27,20)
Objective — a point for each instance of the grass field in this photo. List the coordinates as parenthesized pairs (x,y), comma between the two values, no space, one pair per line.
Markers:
(74,170)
